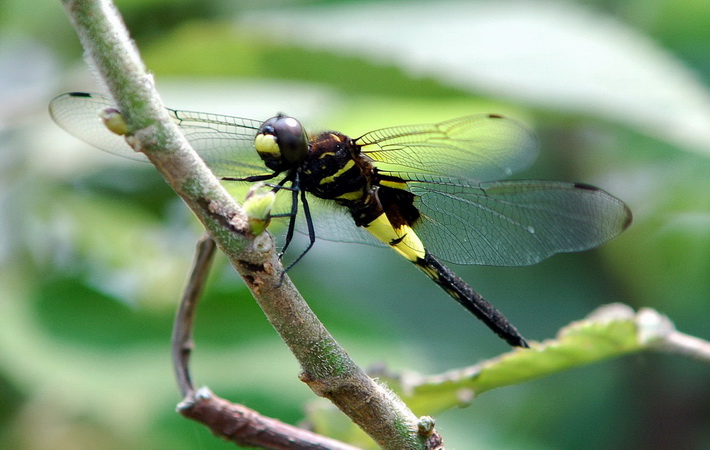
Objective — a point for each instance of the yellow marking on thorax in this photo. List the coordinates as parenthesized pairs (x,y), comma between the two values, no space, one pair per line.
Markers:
(354,195)
(403,240)
(348,165)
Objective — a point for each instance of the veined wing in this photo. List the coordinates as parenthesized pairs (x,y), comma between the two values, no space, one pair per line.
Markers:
(503,223)
(333,222)
(225,143)
(514,223)
(78,114)
(481,147)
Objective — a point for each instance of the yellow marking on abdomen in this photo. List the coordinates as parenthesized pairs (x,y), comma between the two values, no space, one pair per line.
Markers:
(348,165)
(403,239)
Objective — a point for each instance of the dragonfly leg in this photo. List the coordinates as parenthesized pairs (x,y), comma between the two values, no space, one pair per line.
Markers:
(254,178)
(311,233)
(292,221)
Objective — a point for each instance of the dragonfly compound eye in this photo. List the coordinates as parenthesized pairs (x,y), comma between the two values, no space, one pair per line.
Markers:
(281,141)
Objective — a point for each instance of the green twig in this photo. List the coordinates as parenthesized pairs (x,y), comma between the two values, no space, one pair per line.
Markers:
(611,331)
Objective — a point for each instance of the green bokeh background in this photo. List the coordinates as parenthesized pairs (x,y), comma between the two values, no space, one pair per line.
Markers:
(94,250)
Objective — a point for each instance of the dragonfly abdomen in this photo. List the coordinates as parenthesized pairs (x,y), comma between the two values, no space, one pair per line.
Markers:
(404,240)
(401,239)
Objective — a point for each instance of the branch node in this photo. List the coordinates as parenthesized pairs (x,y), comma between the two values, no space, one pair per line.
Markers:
(426,425)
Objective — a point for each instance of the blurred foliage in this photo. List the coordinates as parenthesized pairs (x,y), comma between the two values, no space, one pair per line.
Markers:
(200,44)
(94,250)
(610,331)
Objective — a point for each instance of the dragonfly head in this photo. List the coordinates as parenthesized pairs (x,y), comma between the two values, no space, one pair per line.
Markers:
(281,142)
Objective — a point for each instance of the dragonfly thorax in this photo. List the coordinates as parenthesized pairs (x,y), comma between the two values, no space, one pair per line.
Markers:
(281,143)
(336,170)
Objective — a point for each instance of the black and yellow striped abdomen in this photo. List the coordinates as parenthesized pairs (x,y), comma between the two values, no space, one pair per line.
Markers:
(404,240)
(394,227)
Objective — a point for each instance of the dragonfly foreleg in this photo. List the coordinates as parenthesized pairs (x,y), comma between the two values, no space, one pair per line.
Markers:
(253,178)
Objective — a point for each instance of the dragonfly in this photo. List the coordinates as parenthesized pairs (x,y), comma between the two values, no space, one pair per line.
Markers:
(431,192)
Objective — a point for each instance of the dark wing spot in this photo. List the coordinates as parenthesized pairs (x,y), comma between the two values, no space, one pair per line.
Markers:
(588,187)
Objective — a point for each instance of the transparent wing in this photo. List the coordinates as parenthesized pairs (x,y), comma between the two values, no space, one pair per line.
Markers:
(224,142)
(333,222)
(514,223)
(497,223)
(78,114)
(226,145)
(504,223)
(479,148)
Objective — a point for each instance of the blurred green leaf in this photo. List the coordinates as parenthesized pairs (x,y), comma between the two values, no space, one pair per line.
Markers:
(557,55)
(217,50)
(611,331)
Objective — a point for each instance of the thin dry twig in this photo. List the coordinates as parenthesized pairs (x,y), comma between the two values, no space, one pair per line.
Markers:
(182,342)
(686,345)
(232,422)
(245,426)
